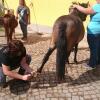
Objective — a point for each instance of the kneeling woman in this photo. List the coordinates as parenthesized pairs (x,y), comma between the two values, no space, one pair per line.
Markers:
(13,56)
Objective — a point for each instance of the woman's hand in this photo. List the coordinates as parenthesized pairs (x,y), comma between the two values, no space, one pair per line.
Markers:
(27,77)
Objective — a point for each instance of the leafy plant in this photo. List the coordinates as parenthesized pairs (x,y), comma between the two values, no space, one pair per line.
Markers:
(1,10)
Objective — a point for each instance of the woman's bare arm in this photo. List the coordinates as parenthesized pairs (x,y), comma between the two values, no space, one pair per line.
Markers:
(8,72)
(88,10)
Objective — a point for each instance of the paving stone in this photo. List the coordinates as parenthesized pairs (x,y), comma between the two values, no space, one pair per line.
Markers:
(87,97)
(81,98)
(75,97)
(16,98)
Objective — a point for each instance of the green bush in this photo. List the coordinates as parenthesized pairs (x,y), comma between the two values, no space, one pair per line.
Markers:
(1,13)
(1,9)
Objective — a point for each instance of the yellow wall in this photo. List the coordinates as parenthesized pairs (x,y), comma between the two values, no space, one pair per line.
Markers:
(44,12)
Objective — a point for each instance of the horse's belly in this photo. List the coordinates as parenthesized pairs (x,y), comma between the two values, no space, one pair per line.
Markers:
(80,37)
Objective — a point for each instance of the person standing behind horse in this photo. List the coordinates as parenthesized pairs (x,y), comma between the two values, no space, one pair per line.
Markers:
(24,17)
(93,32)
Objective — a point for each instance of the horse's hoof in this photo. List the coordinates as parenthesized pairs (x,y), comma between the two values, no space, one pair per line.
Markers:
(61,80)
(76,62)
(34,74)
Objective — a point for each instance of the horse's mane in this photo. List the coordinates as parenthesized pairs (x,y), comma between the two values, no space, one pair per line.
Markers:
(80,14)
(81,4)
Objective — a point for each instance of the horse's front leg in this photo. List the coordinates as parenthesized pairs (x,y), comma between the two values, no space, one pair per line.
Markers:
(46,57)
(75,52)
(10,34)
(7,33)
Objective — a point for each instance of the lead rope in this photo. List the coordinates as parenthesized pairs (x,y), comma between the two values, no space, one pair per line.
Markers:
(35,75)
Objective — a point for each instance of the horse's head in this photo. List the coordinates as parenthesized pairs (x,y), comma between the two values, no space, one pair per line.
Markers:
(76,12)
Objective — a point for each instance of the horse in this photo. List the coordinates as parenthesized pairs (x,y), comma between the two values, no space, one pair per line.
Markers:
(68,31)
(10,23)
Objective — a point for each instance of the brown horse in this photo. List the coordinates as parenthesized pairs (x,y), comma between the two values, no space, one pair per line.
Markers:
(68,31)
(10,23)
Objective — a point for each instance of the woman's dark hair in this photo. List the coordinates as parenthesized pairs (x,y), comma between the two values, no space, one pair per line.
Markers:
(15,45)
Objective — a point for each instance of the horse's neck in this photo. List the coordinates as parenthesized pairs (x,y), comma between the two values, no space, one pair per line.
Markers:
(9,15)
(6,15)
(72,13)
(74,16)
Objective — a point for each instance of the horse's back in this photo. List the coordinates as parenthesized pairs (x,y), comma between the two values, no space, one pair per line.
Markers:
(72,22)
(74,28)
(6,20)
(10,21)
(13,22)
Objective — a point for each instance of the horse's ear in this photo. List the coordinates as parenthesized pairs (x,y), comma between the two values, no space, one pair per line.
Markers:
(74,3)
(78,3)
(88,3)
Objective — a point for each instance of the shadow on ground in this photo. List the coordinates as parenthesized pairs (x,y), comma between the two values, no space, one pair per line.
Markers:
(18,86)
(35,38)
(32,38)
(85,78)
(48,79)
(85,61)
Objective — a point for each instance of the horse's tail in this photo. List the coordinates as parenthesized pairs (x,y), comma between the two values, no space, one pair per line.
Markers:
(61,51)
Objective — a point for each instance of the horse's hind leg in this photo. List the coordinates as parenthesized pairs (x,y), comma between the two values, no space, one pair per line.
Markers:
(45,59)
(7,33)
(75,51)
(10,34)
(14,36)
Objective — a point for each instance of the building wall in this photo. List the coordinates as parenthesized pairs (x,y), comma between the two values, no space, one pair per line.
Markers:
(44,12)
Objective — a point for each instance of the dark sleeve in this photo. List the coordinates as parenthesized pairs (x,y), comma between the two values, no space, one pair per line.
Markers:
(4,56)
(23,52)
(4,59)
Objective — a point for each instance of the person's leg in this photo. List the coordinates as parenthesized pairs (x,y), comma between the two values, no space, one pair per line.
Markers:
(98,49)
(96,71)
(28,60)
(24,30)
(2,77)
(92,42)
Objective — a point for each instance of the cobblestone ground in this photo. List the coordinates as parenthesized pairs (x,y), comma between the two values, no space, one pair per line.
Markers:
(80,83)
